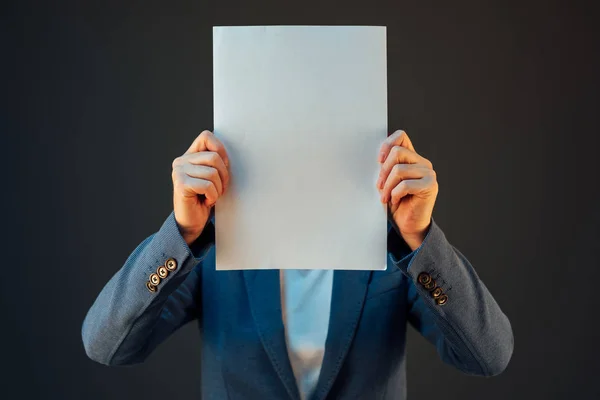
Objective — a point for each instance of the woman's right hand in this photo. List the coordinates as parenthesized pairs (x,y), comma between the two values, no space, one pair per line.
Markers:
(200,177)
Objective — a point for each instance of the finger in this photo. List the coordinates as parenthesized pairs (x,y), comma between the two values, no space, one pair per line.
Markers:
(397,155)
(207,141)
(409,186)
(192,187)
(399,173)
(204,172)
(207,158)
(398,138)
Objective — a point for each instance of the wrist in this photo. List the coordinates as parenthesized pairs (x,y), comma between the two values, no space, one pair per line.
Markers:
(190,238)
(415,239)
(188,235)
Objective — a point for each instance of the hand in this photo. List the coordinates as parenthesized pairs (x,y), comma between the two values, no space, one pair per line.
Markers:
(200,177)
(408,183)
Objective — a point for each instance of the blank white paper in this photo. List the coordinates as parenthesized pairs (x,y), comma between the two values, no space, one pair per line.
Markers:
(302,112)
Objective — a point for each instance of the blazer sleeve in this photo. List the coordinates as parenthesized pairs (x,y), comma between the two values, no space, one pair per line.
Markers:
(128,321)
(460,318)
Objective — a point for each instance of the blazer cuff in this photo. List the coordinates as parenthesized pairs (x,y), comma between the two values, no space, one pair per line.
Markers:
(169,236)
(168,244)
(400,253)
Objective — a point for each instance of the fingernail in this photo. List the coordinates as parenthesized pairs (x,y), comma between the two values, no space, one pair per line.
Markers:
(381,157)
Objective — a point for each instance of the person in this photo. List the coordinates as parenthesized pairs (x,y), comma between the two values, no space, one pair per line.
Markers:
(299,334)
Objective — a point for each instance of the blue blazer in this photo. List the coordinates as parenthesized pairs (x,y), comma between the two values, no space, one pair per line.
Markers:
(244,355)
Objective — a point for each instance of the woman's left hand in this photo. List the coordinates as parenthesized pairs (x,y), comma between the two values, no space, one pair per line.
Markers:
(408,183)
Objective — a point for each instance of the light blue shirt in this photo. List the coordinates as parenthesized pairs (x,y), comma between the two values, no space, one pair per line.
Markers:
(306,305)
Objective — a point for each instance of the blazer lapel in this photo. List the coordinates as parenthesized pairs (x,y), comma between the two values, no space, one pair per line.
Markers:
(347,300)
(265,303)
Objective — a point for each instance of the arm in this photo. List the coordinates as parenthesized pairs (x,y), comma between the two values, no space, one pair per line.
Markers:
(469,330)
(127,321)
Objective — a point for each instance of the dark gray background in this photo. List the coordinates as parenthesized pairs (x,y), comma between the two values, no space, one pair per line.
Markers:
(97,100)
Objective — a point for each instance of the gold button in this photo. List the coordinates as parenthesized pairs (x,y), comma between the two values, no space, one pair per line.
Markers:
(430,285)
(151,287)
(424,278)
(162,271)
(154,279)
(171,264)
(443,299)
(437,292)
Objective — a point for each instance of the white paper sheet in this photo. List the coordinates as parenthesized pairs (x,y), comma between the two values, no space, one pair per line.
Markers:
(302,112)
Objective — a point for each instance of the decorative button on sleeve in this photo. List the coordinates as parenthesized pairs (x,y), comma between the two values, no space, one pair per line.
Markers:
(154,279)
(430,285)
(162,272)
(151,287)
(171,264)
(424,278)
(443,299)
